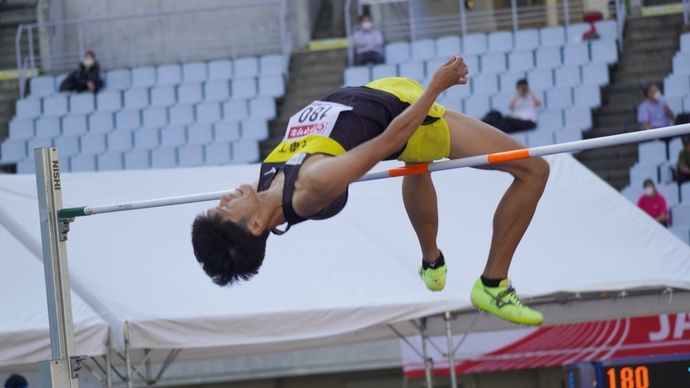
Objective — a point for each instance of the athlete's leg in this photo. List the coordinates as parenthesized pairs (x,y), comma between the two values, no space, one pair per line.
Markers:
(470,137)
(419,197)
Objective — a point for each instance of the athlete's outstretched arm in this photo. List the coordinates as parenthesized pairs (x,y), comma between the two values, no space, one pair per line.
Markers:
(329,178)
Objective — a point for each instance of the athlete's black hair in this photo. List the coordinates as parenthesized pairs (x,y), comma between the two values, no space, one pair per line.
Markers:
(521,82)
(227,251)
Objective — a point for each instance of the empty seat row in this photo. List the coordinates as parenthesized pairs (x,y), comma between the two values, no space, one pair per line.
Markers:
(112,101)
(538,138)
(174,74)
(677,85)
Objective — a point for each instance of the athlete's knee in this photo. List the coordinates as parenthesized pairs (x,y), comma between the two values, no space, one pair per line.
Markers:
(538,172)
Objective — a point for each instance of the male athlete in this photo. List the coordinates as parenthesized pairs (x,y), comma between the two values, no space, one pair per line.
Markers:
(333,142)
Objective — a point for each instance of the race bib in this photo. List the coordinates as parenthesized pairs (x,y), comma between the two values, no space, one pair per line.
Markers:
(318,118)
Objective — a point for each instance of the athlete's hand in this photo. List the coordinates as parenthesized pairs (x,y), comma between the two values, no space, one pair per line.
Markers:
(453,72)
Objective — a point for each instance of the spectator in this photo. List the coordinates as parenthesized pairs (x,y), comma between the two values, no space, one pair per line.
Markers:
(684,161)
(524,106)
(653,203)
(16,381)
(87,77)
(653,112)
(368,43)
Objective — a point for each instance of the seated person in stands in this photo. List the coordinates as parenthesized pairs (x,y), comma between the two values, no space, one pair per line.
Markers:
(653,112)
(653,203)
(368,43)
(524,106)
(87,77)
(683,174)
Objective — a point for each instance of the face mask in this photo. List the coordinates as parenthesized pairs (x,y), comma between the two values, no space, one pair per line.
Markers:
(648,191)
(657,95)
(87,62)
(366,26)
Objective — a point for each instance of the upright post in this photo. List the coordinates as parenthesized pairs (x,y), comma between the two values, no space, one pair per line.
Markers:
(413,27)
(513,12)
(61,371)
(348,32)
(128,358)
(32,58)
(566,16)
(451,352)
(427,360)
(463,18)
(80,37)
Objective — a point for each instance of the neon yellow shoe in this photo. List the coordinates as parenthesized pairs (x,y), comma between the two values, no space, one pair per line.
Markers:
(502,302)
(434,278)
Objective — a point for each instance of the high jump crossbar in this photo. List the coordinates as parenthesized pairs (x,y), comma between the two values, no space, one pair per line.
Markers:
(473,161)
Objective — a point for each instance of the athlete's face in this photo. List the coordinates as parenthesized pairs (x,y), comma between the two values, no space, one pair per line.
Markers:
(238,205)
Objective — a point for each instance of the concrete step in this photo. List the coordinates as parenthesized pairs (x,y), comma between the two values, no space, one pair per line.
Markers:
(652,52)
(669,41)
(312,57)
(611,164)
(651,33)
(610,130)
(644,64)
(615,152)
(321,78)
(626,92)
(653,22)
(16,16)
(643,77)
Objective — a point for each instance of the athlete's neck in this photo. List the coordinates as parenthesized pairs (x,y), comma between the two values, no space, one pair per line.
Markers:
(271,200)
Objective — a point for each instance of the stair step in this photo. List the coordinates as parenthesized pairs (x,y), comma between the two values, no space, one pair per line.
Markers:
(644,43)
(16,16)
(311,57)
(610,130)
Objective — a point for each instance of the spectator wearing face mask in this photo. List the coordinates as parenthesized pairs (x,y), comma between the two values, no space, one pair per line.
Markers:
(524,107)
(653,112)
(653,203)
(87,77)
(368,43)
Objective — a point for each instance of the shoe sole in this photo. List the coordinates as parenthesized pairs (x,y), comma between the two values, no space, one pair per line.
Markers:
(508,320)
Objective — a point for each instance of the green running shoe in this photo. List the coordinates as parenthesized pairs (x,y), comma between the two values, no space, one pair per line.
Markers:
(502,302)
(434,278)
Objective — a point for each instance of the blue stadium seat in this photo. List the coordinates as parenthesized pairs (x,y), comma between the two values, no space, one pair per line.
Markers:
(500,41)
(447,46)
(685,43)
(245,151)
(670,193)
(28,107)
(567,135)
(147,138)
(422,50)
(194,72)
(109,101)
(357,76)
(493,63)
(477,106)
(101,122)
(550,120)
(58,81)
(189,93)
(190,155)
(181,114)
(484,85)
(254,128)
(605,51)
(539,138)
(209,112)
(474,44)
(21,129)
(243,87)
(459,91)
(111,161)
(218,90)
(38,142)
(681,63)
(540,79)
(143,77)
(520,137)
(137,159)
(48,126)
(527,39)
(120,141)
(686,104)
(263,108)
(13,150)
(576,54)
(587,96)
(453,103)
(472,62)
(173,136)
(55,105)
(595,74)
(218,153)
(383,71)
(271,86)
(220,69)
(552,36)
(235,109)
(67,145)
(74,124)
(607,29)
(246,67)
(92,143)
(136,99)
(674,148)
(397,52)
(684,198)
(82,163)
(549,57)
(118,79)
(168,74)
(412,70)
(579,118)
(432,65)
(575,31)
(674,86)
(675,104)
(163,96)
(164,157)
(567,76)
(508,81)
(200,133)
(651,152)
(501,102)
(155,117)
(82,103)
(521,60)
(226,131)
(559,98)
(43,86)
(272,64)
(128,119)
